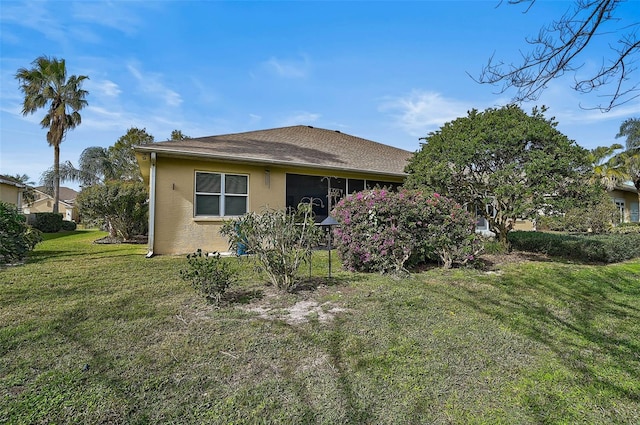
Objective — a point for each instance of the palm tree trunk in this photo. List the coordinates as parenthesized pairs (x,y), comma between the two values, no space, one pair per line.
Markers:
(56,177)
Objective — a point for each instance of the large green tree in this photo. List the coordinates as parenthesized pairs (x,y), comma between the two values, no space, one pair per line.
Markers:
(519,165)
(46,85)
(122,156)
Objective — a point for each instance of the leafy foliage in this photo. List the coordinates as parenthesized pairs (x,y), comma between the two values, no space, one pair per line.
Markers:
(48,222)
(122,157)
(209,274)
(280,240)
(610,248)
(69,226)
(381,230)
(519,164)
(123,205)
(596,217)
(16,237)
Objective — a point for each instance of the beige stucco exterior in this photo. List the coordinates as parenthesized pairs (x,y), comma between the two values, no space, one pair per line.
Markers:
(626,198)
(69,212)
(11,194)
(176,228)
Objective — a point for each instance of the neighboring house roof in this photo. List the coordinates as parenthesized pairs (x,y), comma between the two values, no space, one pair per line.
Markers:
(299,145)
(8,180)
(67,195)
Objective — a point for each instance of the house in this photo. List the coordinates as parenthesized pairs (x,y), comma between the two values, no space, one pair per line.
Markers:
(11,191)
(44,203)
(196,184)
(625,197)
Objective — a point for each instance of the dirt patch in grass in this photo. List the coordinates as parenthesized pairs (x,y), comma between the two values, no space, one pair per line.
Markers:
(141,239)
(299,313)
(492,262)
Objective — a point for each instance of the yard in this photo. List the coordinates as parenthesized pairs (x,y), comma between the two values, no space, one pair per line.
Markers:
(99,334)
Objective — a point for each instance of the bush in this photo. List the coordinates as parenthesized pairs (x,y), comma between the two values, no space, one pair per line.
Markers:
(597,217)
(610,248)
(209,274)
(16,237)
(48,222)
(121,204)
(69,226)
(382,230)
(281,241)
(626,228)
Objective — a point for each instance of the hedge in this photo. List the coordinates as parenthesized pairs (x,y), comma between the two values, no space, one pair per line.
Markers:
(48,222)
(607,248)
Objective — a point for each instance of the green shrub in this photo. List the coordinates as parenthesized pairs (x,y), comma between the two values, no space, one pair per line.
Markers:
(48,222)
(209,275)
(16,237)
(596,217)
(381,231)
(281,241)
(69,226)
(492,246)
(121,204)
(608,248)
(626,228)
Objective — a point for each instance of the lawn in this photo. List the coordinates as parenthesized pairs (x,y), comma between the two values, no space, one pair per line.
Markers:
(95,333)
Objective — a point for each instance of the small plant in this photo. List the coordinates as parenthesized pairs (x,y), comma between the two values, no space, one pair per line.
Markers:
(209,274)
(69,226)
(280,240)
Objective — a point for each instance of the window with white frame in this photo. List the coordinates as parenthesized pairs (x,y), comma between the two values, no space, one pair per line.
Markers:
(220,194)
(621,206)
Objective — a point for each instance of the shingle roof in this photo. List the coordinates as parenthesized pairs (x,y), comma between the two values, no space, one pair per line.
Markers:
(67,194)
(298,145)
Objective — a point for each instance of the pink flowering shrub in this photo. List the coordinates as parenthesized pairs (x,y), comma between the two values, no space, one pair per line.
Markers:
(382,231)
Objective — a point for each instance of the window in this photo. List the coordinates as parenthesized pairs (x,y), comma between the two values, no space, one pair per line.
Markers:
(621,206)
(219,194)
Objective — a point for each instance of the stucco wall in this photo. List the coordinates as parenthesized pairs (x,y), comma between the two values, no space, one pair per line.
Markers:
(10,194)
(177,231)
(630,200)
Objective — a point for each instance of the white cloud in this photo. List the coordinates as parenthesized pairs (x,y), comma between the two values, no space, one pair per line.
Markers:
(113,15)
(300,118)
(420,112)
(151,84)
(35,16)
(289,68)
(105,87)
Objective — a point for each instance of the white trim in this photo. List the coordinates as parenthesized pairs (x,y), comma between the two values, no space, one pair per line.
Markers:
(152,204)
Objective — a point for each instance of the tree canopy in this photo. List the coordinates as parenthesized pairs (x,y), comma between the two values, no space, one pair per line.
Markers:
(519,165)
(122,156)
(562,47)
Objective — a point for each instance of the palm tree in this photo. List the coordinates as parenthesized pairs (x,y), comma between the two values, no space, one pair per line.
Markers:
(630,130)
(46,86)
(608,169)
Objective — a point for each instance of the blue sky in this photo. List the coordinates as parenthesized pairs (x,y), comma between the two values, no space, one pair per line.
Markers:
(386,71)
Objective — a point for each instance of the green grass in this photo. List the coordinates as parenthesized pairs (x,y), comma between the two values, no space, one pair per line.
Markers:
(99,334)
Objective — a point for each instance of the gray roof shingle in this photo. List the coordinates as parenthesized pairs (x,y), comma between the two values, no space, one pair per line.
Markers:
(299,145)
